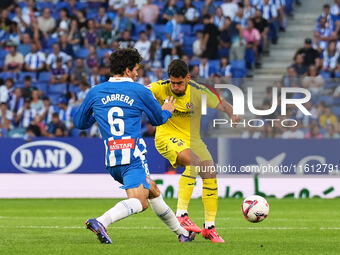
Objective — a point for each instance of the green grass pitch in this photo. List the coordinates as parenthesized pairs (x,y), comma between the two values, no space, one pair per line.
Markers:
(56,226)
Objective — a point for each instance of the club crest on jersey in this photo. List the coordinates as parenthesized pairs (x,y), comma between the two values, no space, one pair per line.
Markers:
(190,106)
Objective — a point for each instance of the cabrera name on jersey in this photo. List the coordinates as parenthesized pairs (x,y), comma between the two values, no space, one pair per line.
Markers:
(117,106)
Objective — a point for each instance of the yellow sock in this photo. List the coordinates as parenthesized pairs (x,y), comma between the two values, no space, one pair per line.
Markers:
(186,186)
(210,200)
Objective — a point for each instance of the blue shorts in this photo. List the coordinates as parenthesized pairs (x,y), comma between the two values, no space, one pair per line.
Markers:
(131,175)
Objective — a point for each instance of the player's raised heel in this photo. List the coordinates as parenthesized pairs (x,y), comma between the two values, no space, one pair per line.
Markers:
(185,239)
(97,228)
(188,224)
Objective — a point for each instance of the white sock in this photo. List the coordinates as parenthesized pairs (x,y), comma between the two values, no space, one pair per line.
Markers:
(208,224)
(164,212)
(120,211)
(180,212)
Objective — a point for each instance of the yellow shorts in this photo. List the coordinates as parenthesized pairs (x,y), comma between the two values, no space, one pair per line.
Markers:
(170,146)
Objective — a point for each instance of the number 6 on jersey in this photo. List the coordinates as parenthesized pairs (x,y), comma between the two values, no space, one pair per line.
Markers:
(116,121)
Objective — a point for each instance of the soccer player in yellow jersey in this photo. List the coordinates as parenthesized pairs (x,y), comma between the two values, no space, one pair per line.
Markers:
(180,142)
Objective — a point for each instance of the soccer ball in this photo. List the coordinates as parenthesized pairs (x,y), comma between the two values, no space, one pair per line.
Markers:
(255,208)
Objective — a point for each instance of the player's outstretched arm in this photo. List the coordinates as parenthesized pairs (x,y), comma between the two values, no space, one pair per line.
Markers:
(83,118)
(153,109)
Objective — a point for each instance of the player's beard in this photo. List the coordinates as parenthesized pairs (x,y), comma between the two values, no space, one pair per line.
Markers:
(178,94)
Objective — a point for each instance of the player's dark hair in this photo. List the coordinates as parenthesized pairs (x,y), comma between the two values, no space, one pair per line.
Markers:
(178,68)
(122,59)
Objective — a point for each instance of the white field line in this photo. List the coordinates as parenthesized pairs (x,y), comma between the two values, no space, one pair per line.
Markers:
(240,218)
(162,228)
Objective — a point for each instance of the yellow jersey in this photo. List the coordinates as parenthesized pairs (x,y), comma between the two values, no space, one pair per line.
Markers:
(186,119)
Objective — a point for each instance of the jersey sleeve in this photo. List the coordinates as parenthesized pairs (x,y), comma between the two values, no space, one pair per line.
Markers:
(153,109)
(212,99)
(83,118)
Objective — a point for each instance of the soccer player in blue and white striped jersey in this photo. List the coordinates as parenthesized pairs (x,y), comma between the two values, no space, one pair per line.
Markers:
(117,106)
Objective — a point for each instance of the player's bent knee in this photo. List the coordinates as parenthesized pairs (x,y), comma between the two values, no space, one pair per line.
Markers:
(188,157)
(154,190)
(144,203)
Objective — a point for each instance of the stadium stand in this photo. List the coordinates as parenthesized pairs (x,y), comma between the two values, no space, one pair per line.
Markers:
(88,31)
(315,66)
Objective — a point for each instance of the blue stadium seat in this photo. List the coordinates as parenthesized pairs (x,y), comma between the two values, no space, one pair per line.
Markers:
(215,64)
(82,53)
(22,75)
(3,53)
(189,40)
(159,30)
(74,89)
(45,76)
(5,75)
(59,89)
(135,37)
(336,101)
(54,99)
(238,68)
(91,14)
(51,41)
(186,29)
(61,5)
(81,5)
(19,85)
(330,84)
(325,75)
(326,99)
(41,5)
(199,5)
(111,15)
(160,4)
(223,52)
(55,15)
(179,4)
(187,49)
(140,28)
(336,110)
(22,4)
(194,62)
(2,63)
(43,86)
(101,52)
(197,27)
(75,132)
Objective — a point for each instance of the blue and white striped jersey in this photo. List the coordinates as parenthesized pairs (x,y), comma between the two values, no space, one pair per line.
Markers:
(117,106)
